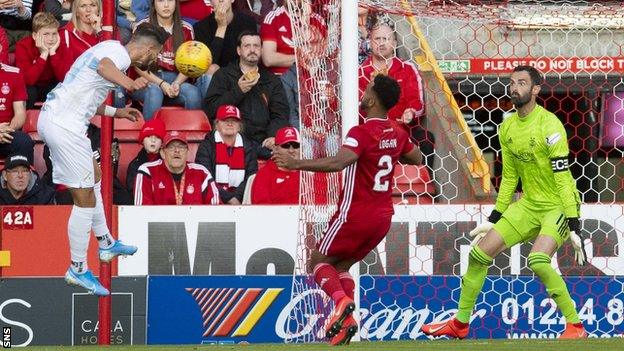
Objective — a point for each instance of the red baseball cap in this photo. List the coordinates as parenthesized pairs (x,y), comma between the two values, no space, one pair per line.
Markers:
(155,127)
(287,135)
(228,111)
(175,135)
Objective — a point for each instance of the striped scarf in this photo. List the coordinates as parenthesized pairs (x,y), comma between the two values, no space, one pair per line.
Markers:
(230,163)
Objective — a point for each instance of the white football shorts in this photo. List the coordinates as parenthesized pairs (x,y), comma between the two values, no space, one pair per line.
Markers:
(71,154)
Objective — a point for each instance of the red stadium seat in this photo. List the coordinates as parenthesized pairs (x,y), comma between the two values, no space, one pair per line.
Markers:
(412,184)
(126,130)
(127,152)
(97,121)
(194,122)
(30,126)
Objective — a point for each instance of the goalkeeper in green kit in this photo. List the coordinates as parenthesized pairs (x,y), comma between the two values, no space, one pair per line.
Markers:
(535,150)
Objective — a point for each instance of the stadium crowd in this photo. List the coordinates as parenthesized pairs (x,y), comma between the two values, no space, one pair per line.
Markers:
(248,95)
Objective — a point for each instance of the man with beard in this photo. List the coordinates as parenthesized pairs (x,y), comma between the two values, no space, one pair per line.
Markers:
(369,154)
(63,125)
(535,150)
(258,94)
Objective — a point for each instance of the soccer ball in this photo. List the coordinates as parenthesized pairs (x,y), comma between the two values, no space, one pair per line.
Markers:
(193,58)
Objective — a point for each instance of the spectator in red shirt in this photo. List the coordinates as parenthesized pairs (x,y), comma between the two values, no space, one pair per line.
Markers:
(276,185)
(278,48)
(82,32)
(36,57)
(168,85)
(409,112)
(172,180)
(228,155)
(13,114)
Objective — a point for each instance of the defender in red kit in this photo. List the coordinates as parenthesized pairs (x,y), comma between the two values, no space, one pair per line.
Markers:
(369,155)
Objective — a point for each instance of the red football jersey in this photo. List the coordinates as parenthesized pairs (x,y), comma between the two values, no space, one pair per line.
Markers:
(277,27)
(368,182)
(155,185)
(12,88)
(408,78)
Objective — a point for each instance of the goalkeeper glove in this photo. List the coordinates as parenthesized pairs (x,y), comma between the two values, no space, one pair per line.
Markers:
(479,232)
(580,256)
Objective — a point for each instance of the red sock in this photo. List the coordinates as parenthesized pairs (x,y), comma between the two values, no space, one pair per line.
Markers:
(348,285)
(326,276)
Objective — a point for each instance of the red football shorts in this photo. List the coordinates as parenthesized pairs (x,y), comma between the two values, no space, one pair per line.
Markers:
(353,239)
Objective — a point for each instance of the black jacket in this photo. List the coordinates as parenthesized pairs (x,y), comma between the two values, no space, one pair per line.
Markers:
(264,108)
(223,50)
(37,193)
(206,156)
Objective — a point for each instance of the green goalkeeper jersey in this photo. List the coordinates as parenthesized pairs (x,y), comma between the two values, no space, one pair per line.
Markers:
(535,150)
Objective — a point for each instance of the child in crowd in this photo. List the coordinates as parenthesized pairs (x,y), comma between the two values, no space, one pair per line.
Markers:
(151,137)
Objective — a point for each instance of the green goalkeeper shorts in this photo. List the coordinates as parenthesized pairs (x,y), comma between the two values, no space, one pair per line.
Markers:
(519,223)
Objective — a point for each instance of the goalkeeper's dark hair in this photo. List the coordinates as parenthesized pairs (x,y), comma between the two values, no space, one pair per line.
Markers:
(387,90)
(536,76)
(151,32)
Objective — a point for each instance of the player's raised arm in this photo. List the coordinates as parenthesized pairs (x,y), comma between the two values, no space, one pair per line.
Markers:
(343,158)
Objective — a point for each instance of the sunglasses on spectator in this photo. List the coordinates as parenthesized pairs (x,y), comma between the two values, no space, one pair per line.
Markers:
(291,145)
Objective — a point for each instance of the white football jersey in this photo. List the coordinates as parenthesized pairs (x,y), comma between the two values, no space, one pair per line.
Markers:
(72,103)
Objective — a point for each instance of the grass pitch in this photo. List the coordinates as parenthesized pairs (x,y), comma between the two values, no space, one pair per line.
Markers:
(614,344)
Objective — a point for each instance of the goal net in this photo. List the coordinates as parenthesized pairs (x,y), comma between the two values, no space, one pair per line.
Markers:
(464,51)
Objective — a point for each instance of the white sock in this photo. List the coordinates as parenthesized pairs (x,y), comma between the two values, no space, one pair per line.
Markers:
(78,228)
(100,227)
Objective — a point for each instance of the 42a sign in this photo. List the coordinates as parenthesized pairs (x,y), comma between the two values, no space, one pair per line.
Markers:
(17,217)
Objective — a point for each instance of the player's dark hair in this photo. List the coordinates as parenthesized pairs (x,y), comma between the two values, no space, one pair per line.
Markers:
(536,76)
(387,90)
(151,32)
(245,33)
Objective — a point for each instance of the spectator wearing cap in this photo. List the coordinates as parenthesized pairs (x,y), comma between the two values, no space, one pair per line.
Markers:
(20,185)
(227,154)
(173,180)
(275,185)
(151,137)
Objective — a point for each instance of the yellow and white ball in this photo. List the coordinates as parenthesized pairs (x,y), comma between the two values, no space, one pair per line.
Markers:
(193,58)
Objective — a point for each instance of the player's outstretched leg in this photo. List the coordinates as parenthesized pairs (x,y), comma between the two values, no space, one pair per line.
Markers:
(78,228)
(349,326)
(472,283)
(327,278)
(539,263)
(109,247)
